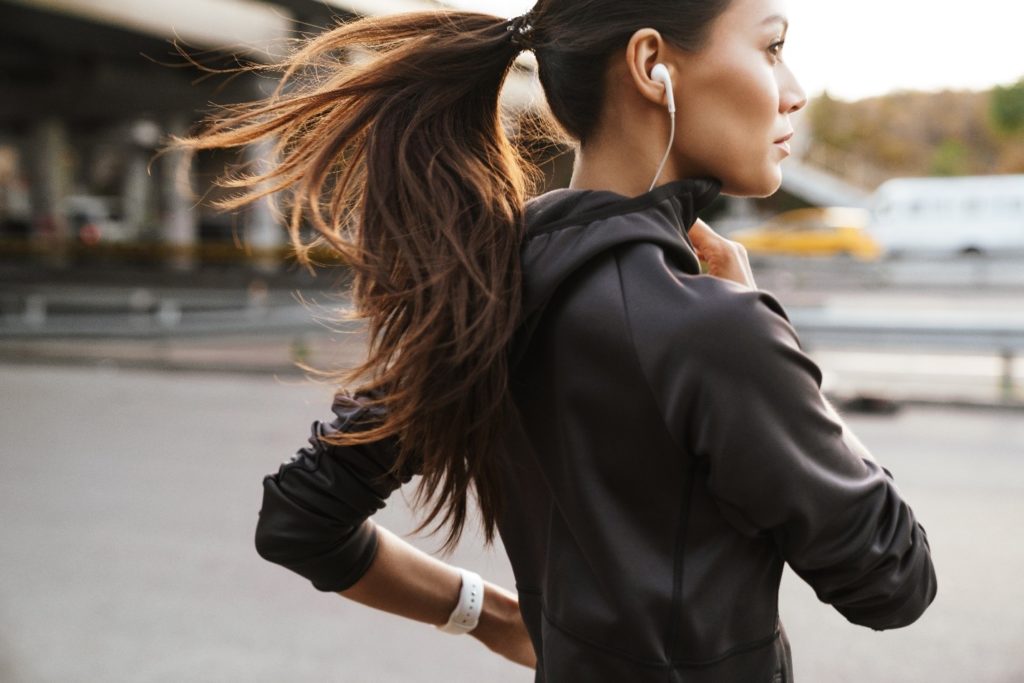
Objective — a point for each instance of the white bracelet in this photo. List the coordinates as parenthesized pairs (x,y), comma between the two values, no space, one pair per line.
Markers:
(466,614)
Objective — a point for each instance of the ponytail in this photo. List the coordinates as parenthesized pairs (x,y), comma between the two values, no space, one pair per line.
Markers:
(400,165)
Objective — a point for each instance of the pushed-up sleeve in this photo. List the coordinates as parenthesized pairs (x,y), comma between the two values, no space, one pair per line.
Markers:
(315,514)
(779,461)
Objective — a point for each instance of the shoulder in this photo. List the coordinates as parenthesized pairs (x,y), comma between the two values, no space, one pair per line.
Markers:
(682,320)
(696,307)
(708,344)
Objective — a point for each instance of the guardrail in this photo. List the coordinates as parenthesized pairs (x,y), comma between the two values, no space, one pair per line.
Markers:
(212,253)
(1002,336)
(166,317)
(992,271)
(1004,272)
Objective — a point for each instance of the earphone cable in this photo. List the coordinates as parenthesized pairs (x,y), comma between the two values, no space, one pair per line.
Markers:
(671,140)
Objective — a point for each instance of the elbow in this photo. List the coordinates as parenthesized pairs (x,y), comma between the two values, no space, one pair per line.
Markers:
(331,566)
(900,599)
(902,609)
(331,556)
(285,531)
(314,519)
(897,580)
(271,543)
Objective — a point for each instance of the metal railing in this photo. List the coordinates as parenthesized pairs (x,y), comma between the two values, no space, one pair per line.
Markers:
(176,315)
(1002,336)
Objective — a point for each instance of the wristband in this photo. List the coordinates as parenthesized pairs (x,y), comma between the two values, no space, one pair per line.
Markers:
(466,614)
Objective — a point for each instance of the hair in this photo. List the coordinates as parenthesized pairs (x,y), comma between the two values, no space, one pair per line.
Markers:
(388,145)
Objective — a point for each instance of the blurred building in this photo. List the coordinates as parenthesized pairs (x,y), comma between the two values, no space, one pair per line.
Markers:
(88,89)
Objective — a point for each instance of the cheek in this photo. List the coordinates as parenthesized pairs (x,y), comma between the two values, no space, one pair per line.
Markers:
(729,128)
(718,135)
(746,104)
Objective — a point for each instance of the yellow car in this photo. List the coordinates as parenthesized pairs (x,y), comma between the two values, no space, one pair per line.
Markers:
(819,231)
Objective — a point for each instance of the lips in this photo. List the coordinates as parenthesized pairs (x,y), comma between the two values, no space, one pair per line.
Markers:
(784,138)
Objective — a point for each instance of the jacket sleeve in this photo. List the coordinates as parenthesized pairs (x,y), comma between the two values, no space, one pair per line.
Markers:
(779,461)
(315,514)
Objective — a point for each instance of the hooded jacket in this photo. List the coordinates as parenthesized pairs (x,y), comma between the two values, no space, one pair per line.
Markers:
(672,451)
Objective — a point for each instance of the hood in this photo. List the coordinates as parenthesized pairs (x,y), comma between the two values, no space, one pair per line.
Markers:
(566,228)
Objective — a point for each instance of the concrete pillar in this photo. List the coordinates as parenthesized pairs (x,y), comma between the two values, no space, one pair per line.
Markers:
(263,230)
(179,225)
(15,205)
(50,182)
(137,192)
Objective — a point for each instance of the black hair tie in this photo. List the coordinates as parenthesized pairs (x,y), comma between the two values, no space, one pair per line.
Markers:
(520,31)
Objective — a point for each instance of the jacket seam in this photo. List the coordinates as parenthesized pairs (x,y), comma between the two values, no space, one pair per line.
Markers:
(682,521)
(679,570)
(636,356)
(741,648)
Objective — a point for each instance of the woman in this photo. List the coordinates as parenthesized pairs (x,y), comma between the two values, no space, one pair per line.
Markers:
(651,442)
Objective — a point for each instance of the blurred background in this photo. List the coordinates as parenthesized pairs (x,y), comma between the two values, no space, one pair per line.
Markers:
(148,344)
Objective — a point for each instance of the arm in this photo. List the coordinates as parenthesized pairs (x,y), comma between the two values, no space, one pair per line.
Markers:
(781,462)
(743,400)
(315,522)
(738,391)
(404,580)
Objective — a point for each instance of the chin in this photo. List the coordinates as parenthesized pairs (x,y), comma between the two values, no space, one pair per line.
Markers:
(757,188)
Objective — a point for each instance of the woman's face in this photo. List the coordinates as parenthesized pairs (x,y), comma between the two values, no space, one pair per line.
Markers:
(734,99)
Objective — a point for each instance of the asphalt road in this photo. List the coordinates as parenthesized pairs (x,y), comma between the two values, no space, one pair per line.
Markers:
(129,500)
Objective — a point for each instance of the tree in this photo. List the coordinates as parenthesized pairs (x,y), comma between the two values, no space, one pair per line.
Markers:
(951,158)
(1006,109)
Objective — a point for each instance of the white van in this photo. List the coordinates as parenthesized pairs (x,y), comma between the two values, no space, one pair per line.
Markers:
(949,216)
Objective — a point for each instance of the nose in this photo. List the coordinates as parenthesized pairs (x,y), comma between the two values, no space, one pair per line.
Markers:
(792,97)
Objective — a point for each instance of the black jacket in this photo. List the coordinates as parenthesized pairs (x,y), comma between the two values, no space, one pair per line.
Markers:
(673,451)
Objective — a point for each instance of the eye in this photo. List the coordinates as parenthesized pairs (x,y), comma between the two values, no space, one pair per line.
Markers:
(776,47)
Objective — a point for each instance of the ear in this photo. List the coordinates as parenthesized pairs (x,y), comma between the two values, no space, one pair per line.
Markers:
(645,49)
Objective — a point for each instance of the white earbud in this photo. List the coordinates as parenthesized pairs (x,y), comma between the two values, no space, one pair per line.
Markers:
(660,73)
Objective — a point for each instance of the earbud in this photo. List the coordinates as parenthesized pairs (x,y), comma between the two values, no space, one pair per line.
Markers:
(660,73)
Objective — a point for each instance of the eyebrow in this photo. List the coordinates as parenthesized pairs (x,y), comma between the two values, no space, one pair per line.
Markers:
(777,18)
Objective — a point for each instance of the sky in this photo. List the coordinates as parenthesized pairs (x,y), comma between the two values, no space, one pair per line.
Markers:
(871,47)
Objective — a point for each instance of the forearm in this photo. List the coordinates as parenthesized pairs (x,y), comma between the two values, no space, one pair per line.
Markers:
(404,580)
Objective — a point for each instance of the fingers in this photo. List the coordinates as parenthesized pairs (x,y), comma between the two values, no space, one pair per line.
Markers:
(712,245)
(725,258)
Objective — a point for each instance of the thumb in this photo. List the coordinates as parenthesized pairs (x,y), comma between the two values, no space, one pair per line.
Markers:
(702,236)
(701,233)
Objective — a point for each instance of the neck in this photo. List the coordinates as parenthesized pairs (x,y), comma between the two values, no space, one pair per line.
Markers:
(626,165)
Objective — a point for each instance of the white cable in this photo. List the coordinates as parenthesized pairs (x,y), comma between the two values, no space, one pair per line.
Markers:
(671,139)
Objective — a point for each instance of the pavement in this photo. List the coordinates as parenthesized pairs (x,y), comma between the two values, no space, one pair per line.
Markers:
(130,498)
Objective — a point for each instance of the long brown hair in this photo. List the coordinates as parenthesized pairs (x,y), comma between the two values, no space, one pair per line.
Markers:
(388,141)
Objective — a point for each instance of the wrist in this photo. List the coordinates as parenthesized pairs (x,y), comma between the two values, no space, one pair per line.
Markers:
(465,616)
(500,612)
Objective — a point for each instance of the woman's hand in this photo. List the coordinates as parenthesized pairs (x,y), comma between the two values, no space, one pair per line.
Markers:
(725,258)
(501,627)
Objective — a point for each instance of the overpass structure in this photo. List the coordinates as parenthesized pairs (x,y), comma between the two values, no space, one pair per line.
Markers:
(88,91)
(819,187)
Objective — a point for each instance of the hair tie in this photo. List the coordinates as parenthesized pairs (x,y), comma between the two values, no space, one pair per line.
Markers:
(520,31)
